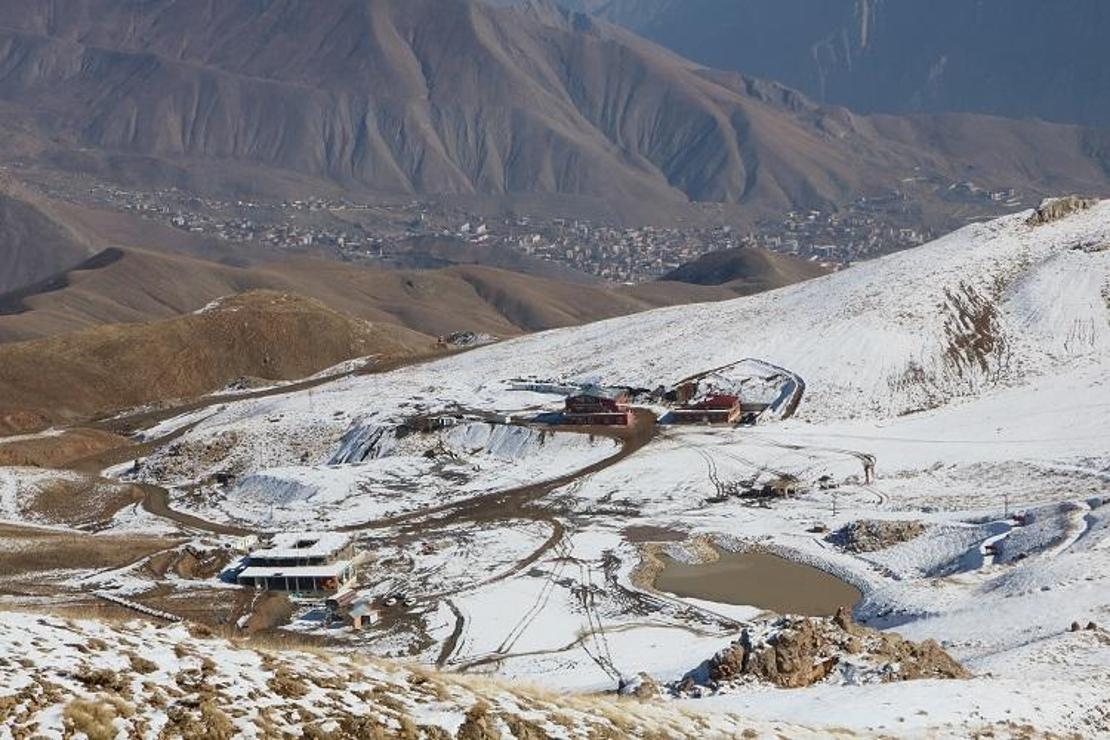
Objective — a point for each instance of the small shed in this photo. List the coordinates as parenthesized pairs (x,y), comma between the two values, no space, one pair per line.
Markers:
(363,614)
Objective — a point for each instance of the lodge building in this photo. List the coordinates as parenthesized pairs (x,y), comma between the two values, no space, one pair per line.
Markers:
(302,562)
(596,406)
(715,408)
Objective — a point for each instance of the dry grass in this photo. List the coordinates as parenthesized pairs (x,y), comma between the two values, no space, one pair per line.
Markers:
(264,334)
(101,678)
(52,452)
(287,685)
(479,724)
(197,708)
(39,550)
(207,721)
(95,718)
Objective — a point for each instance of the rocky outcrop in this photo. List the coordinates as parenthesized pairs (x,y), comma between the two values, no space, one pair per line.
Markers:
(1054,209)
(799,655)
(641,686)
(870,535)
(793,652)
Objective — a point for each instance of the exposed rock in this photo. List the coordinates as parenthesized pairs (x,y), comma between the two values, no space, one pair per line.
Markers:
(728,663)
(802,654)
(1091,247)
(1053,209)
(868,535)
(467,339)
(640,686)
(792,652)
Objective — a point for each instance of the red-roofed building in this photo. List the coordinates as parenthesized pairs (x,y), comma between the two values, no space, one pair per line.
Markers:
(598,407)
(716,408)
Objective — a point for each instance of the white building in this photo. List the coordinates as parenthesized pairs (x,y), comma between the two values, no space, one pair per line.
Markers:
(303,562)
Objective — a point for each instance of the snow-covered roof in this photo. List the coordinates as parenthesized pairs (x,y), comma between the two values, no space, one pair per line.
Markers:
(597,391)
(303,545)
(331,570)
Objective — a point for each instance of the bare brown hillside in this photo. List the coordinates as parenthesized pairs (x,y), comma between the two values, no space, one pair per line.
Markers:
(34,243)
(128,286)
(746,270)
(128,326)
(264,335)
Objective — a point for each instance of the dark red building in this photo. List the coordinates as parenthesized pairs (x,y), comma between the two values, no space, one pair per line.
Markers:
(598,407)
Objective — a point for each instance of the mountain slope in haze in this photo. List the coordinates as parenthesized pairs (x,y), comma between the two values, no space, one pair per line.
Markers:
(266,335)
(1018,58)
(746,270)
(34,244)
(452,97)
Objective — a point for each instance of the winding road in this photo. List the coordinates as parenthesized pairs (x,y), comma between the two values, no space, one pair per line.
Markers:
(514,503)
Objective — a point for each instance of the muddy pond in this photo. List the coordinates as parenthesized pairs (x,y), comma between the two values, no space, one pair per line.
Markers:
(761,580)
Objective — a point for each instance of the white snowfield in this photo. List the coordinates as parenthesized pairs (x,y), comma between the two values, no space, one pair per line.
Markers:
(975,370)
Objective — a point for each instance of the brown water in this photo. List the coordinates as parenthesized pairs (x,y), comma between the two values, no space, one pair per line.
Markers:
(759,579)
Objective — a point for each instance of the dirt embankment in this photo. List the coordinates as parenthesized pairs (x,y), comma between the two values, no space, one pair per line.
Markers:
(66,499)
(52,451)
(42,550)
(701,549)
(190,562)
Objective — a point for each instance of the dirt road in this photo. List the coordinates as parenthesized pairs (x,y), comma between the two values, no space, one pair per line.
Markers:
(500,505)
(512,503)
(156,500)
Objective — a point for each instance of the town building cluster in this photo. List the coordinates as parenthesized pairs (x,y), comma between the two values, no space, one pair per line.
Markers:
(383,232)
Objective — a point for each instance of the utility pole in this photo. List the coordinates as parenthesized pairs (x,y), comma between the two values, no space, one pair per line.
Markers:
(1006,505)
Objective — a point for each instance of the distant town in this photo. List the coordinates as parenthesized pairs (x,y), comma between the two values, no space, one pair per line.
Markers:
(380,232)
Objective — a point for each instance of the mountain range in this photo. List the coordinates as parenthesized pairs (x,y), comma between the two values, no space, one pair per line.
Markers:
(1016,58)
(457,99)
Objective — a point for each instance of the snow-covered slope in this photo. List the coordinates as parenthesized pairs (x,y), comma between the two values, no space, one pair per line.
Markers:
(997,303)
(391,476)
(62,678)
(971,374)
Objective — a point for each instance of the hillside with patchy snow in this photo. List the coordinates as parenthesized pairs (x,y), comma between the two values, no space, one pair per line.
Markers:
(62,678)
(957,394)
(994,304)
